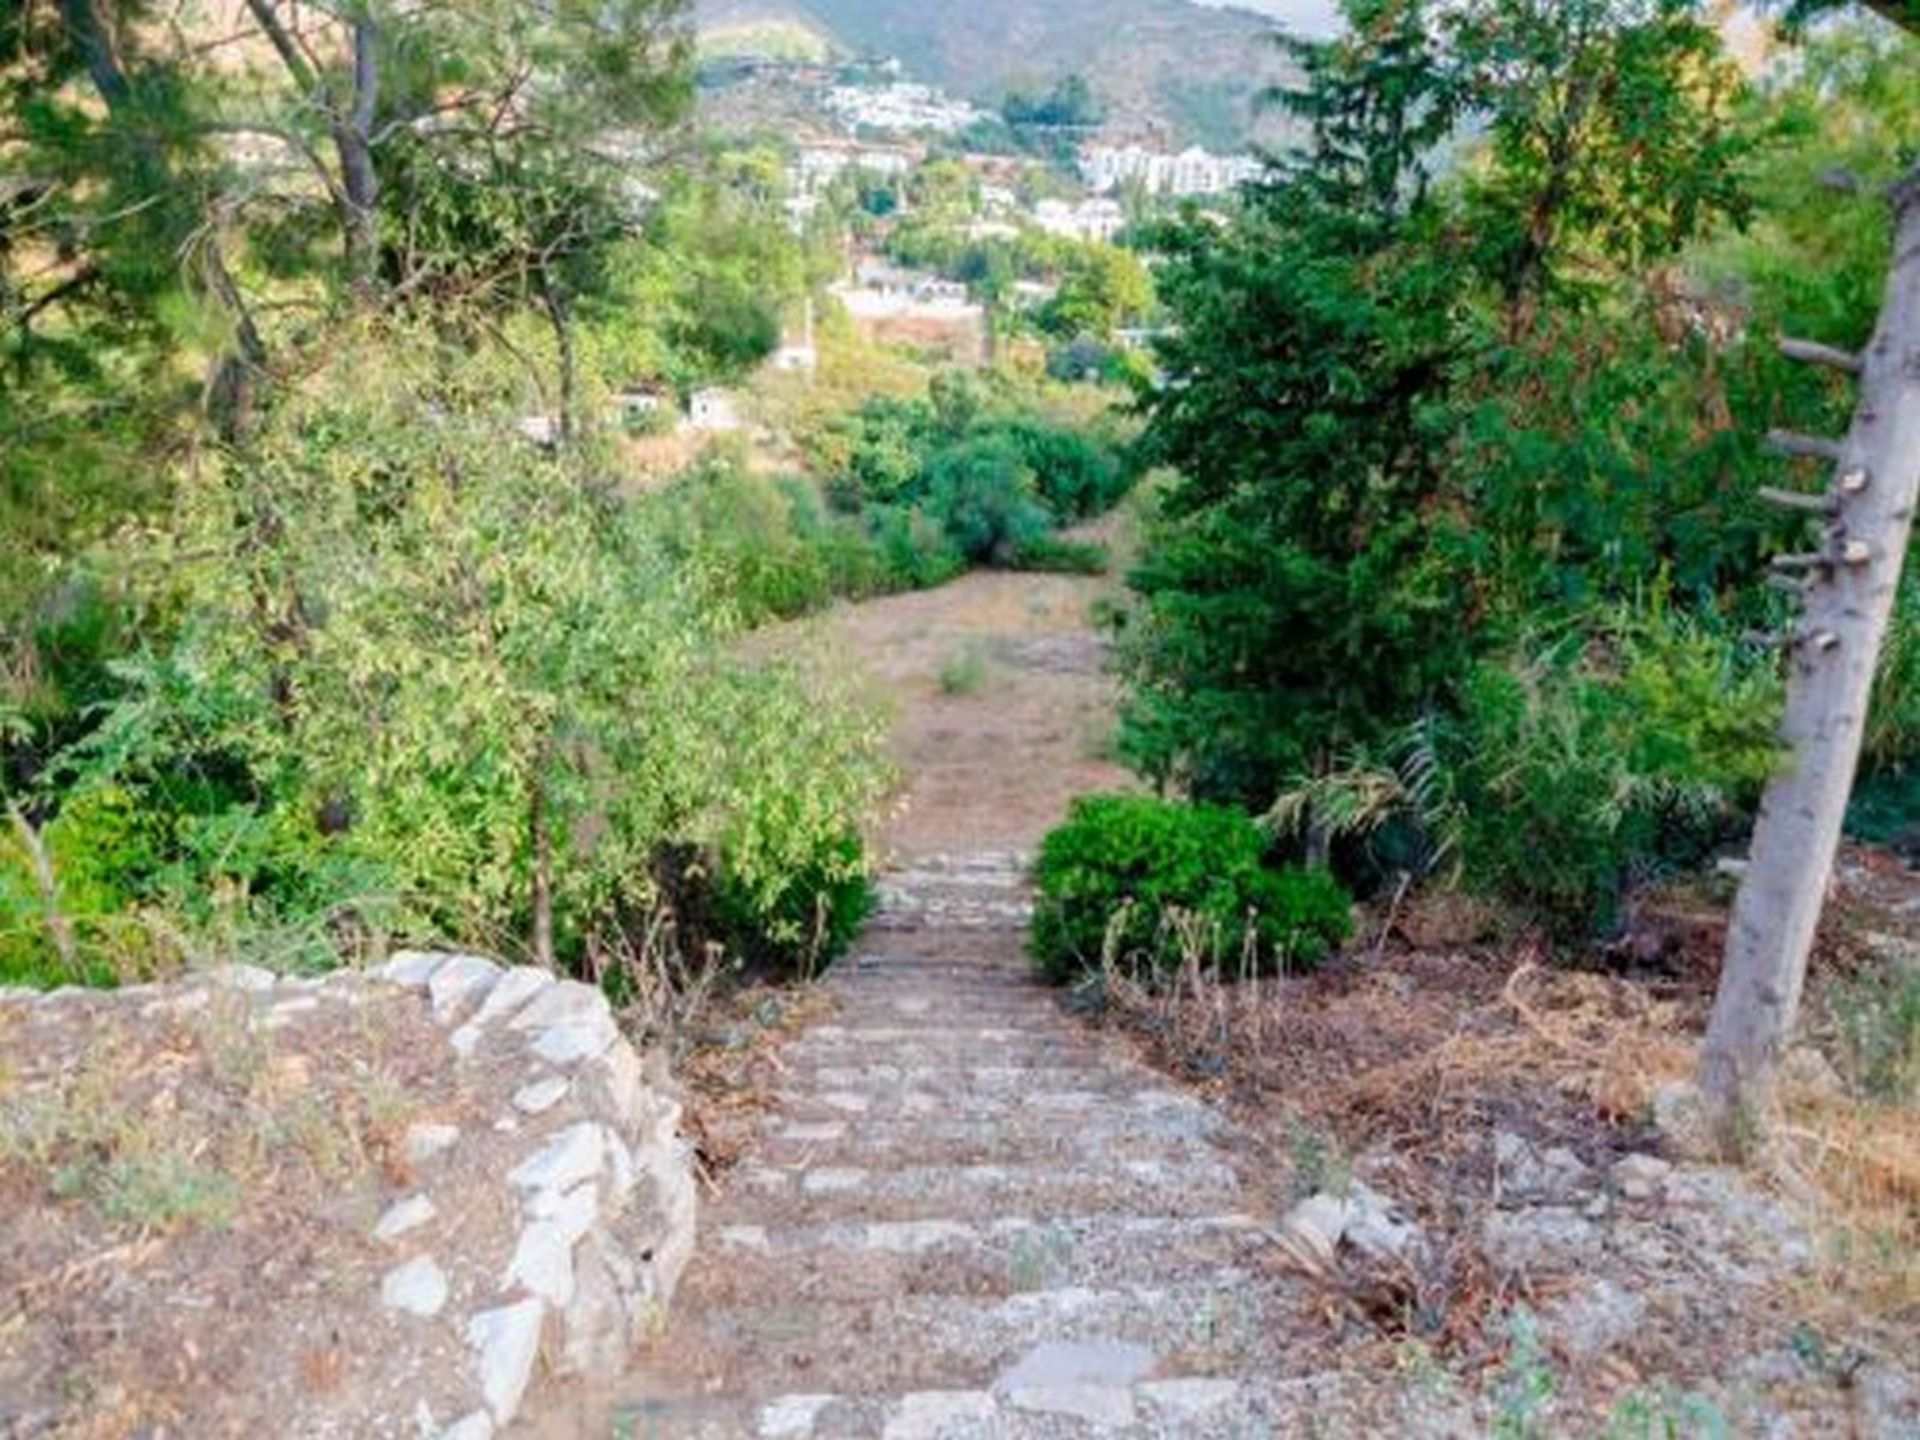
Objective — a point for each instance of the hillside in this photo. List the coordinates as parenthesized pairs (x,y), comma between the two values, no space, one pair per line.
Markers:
(1164,68)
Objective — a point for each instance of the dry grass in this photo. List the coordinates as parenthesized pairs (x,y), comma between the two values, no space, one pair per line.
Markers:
(1415,1055)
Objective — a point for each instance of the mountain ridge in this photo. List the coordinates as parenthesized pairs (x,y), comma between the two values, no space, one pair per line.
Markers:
(1166,70)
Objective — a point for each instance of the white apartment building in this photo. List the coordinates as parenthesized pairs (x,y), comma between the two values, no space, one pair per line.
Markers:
(1082,220)
(1193,171)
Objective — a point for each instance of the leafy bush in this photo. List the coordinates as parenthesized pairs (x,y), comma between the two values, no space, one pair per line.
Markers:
(1893,722)
(457,689)
(1049,554)
(983,495)
(1125,868)
(1638,742)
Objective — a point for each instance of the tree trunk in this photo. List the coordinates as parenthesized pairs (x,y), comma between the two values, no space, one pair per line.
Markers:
(93,38)
(1835,656)
(359,182)
(562,321)
(540,838)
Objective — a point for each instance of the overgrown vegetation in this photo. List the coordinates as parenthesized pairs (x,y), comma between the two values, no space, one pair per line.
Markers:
(1470,459)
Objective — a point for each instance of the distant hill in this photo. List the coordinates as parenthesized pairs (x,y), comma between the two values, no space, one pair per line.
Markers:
(1166,69)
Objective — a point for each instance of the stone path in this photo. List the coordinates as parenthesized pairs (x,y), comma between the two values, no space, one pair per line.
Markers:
(968,1217)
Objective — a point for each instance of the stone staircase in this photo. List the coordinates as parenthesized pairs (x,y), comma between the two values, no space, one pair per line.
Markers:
(968,1217)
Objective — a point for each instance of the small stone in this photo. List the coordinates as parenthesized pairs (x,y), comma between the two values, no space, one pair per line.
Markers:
(577,1153)
(1188,1399)
(411,968)
(1547,1237)
(1640,1177)
(1529,1173)
(427,1141)
(290,1009)
(939,1414)
(404,1216)
(541,1095)
(791,1416)
(617,1074)
(1091,1380)
(565,1002)
(577,1040)
(506,1341)
(1593,1320)
(542,1264)
(1807,1072)
(516,988)
(249,978)
(832,1182)
(466,1040)
(461,981)
(417,1287)
(477,1426)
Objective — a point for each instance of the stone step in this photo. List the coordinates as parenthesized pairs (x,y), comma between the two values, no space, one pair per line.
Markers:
(812,1194)
(963,863)
(1171,1406)
(900,1006)
(771,1342)
(849,1260)
(932,1049)
(1022,1076)
(1076,1096)
(1017,977)
(871,1039)
(1182,1408)
(846,1140)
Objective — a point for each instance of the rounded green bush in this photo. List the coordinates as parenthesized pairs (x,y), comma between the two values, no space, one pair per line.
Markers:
(1126,869)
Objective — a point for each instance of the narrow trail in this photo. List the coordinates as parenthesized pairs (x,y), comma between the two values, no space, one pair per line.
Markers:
(967,1215)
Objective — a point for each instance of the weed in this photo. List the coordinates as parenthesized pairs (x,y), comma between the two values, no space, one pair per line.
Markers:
(1319,1161)
(1527,1382)
(965,672)
(1038,1257)
(1666,1414)
(1877,1015)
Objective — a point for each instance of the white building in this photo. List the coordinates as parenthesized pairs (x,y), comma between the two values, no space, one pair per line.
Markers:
(713,410)
(802,356)
(1084,220)
(817,166)
(901,107)
(1192,172)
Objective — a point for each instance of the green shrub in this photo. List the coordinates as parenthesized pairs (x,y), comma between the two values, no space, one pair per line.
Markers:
(1076,477)
(1124,869)
(965,671)
(1635,744)
(1051,555)
(915,551)
(982,493)
(1893,722)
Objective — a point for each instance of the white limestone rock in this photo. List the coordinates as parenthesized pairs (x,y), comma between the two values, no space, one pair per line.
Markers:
(506,1341)
(411,968)
(403,1217)
(577,1153)
(515,988)
(419,1287)
(539,1096)
(463,981)
(427,1141)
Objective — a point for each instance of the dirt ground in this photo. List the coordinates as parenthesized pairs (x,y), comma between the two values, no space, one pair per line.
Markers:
(189,1179)
(1003,711)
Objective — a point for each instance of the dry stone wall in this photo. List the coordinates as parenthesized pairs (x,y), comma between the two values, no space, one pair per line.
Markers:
(529,1226)
(604,1186)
